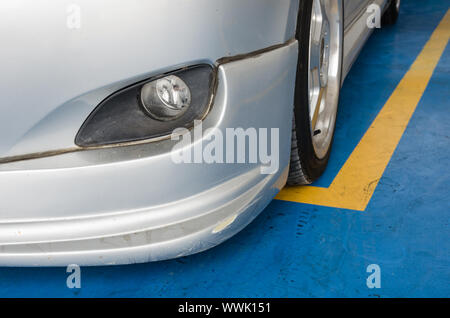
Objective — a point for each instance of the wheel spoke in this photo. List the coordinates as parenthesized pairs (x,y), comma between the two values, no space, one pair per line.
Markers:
(314,57)
(323,9)
(316,22)
(315,116)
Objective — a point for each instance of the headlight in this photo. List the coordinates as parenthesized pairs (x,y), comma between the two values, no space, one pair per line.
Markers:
(150,109)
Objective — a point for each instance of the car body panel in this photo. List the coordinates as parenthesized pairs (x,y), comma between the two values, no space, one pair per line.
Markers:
(357,31)
(352,9)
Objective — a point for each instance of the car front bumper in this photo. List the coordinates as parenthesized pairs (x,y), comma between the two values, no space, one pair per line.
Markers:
(134,204)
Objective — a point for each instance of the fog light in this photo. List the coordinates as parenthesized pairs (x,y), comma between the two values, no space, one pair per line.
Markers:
(166,98)
(152,108)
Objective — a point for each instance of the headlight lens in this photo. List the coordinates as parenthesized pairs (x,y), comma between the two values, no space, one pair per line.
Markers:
(166,98)
(150,109)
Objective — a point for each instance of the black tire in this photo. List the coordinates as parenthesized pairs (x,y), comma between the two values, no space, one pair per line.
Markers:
(305,166)
(390,16)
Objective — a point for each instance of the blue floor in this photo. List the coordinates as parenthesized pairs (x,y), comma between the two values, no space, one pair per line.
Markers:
(299,250)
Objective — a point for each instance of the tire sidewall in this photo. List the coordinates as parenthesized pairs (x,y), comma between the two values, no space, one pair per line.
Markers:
(313,166)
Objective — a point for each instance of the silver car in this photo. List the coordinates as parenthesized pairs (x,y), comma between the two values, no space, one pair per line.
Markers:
(98,99)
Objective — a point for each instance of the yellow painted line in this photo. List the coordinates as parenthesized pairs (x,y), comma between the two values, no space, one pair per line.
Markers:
(356,182)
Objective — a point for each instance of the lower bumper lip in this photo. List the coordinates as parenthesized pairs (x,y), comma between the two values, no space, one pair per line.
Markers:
(217,221)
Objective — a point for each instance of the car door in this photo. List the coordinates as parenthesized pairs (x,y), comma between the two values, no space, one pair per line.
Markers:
(352,10)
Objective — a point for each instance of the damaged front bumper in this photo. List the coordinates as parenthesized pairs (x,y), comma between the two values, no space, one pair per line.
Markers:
(134,204)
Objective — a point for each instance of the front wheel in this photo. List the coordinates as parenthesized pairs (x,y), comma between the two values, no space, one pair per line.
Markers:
(320,36)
